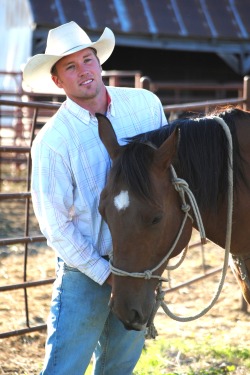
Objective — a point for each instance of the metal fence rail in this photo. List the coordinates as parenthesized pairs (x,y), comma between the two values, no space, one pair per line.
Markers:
(34,115)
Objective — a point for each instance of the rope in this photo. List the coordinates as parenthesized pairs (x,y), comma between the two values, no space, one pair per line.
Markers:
(228,235)
(180,261)
(148,274)
(182,187)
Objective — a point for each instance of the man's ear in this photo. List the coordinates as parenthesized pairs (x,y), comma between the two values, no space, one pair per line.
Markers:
(57,81)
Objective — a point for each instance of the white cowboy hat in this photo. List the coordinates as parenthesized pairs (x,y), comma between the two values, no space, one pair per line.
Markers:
(62,41)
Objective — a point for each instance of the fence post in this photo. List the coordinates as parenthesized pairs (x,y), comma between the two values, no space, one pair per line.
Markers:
(145,83)
(246,93)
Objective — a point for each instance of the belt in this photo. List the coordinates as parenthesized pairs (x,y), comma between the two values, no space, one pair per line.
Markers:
(106,257)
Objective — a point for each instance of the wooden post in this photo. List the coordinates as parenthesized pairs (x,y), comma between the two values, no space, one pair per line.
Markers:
(114,81)
(145,83)
(138,79)
(246,93)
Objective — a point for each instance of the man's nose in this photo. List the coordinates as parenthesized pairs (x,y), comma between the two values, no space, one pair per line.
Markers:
(82,69)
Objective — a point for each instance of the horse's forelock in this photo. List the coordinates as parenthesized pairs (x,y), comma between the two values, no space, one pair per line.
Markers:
(132,168)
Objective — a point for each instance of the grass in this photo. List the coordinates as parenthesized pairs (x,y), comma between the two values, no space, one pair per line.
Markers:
(191,357)
(175,357)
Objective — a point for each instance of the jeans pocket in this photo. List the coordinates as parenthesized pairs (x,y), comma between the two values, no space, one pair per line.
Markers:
(68,268)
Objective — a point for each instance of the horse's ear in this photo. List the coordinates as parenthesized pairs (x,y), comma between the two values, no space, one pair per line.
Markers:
(166,152)
(108,136)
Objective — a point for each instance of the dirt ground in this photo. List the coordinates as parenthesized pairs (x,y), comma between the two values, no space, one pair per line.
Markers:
(24,354)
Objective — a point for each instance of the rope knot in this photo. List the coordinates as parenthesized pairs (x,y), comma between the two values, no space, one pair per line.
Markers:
(148,274)
(185,207)
(160,296)
(180,184)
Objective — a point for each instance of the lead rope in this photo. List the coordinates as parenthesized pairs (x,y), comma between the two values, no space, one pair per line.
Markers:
(148,274)
(182,187)
(227,242)
(180,261)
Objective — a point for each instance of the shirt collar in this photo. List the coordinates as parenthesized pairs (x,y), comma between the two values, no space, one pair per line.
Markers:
(84,114)
(110,108)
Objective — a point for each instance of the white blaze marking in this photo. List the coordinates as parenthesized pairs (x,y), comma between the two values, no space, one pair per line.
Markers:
(121,201)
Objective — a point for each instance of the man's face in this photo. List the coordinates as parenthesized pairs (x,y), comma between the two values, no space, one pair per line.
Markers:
(79,75)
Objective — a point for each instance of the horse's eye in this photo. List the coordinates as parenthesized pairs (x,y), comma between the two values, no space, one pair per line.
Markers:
(156,219)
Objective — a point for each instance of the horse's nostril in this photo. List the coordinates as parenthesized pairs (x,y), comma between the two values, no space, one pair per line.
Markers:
(135,321)
(135,317)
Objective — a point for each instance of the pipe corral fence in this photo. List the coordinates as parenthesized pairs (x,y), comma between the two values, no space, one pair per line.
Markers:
(20,120)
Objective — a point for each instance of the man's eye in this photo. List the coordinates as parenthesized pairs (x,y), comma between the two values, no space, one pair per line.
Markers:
(86,61)
(70,67)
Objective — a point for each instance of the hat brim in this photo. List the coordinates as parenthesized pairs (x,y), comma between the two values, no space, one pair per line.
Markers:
(37,70)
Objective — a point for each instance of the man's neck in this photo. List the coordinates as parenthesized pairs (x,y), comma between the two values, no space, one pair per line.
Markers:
(94,105)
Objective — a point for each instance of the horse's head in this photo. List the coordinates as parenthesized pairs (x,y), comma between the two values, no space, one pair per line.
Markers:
(142,210)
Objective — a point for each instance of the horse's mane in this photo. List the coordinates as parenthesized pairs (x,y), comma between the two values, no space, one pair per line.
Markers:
(202,158)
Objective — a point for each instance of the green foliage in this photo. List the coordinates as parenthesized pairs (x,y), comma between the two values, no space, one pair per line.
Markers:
(231,352)
(214,371)
(152,361)
(192,357)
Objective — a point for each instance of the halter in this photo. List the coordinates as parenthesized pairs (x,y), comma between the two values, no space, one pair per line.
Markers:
(182,188)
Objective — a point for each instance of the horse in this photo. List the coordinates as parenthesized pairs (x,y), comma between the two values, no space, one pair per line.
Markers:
(143,207)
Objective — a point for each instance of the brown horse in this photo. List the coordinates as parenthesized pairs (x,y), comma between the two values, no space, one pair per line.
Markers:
(143,208)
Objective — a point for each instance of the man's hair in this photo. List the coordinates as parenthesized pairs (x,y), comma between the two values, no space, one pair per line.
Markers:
(53,70)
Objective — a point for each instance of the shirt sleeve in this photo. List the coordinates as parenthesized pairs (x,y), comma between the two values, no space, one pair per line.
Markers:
(52,189)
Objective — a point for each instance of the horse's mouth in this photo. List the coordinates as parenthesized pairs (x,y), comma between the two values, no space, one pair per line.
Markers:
(129,325)
(132,320)
(134,326)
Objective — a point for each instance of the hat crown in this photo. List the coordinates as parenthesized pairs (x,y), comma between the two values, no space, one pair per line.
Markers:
(64,38)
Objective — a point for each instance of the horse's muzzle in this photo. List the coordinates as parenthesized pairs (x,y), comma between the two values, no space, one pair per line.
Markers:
(133,321)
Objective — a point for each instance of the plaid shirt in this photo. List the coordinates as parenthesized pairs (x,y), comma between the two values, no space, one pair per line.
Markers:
(70,168)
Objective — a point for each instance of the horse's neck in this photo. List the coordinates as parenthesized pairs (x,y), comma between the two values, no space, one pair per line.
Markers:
(215,227)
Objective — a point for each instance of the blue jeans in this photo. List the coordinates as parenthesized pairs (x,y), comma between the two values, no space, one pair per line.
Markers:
(81,324)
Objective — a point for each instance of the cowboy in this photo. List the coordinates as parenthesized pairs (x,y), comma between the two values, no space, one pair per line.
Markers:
(70,167)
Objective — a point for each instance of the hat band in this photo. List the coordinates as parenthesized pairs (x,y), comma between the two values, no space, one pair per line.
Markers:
(66,52)
(74,48)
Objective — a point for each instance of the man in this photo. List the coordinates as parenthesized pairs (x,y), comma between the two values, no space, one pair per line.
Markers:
(70,167)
